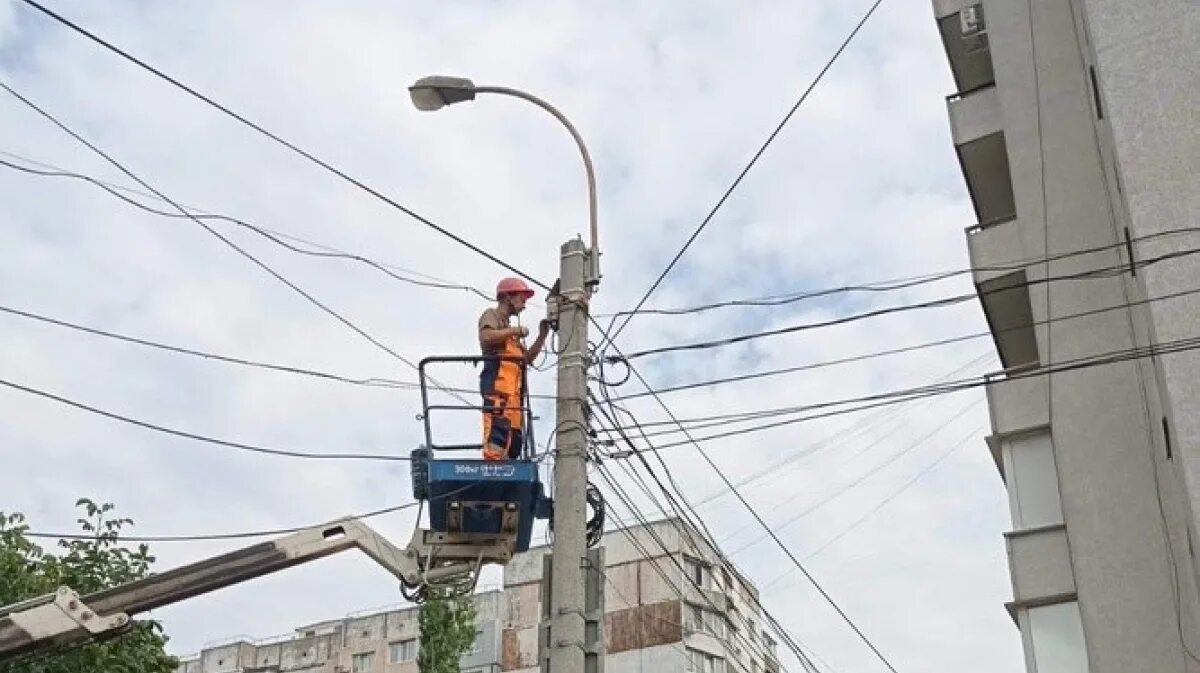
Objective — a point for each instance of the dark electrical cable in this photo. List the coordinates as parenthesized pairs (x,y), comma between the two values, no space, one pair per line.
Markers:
(761,413)
(895,284)
(241,251)
(261,231)
(905,395)
(48,170)
(773,470)
(907,349)
(276,138)
(825,595)
(376,382)
(1090,274)
(753,160)
(196,436)
(624,497)
(829,497)
(206,537)
(697,524)
(758,517)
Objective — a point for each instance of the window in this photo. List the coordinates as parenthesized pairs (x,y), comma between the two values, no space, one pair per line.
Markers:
(714,623)
(403,650)
(702,662)
(693,617)
(769,642)
(361,663)
(696,572)
(1032,481)
(1056,638)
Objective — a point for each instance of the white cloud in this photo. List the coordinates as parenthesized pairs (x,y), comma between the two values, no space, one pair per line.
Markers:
(861,186)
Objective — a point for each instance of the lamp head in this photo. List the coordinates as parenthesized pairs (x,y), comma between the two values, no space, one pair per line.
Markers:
(437,91)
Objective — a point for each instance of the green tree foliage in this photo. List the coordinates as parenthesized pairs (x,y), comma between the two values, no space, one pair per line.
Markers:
(85,565)
(447,633)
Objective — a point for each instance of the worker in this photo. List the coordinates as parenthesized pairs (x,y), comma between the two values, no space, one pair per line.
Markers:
(502,381)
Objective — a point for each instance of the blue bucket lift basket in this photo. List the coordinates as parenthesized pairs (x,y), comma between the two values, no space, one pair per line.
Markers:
(476,496)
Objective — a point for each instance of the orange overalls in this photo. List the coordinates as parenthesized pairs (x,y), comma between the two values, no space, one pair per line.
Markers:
(502,385)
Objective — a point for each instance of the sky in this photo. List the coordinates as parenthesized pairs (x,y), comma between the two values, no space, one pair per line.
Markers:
(898,513)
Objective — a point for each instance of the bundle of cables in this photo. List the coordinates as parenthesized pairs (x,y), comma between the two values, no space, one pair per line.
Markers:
(594,528)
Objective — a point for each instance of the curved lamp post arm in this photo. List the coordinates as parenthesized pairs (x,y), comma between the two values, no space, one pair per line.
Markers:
(437,91)
(583,150)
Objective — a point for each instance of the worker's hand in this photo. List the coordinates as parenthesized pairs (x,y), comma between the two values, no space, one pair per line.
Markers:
(522,331)
(543,328)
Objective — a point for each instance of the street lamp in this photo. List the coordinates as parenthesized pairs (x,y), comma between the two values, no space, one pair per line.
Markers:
(437,91)
(579,274)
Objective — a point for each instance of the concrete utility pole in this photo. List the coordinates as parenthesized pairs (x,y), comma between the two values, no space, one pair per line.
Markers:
(579,274)
(570,468)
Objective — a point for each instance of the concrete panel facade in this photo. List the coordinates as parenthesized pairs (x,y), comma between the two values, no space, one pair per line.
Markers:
(1040,562)
(1099,104)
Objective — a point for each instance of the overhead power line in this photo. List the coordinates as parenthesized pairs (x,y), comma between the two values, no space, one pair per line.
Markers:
(234,246)
(907,349)
(787,552)
(838,437)
(845,488)
(209,537)
(694,521)
(272,236)
(733,417)
(375,382)
(749,165)
(909,394)
(281,141)
(896,284)
(882,503)
(685,537)
(1101,272)
(241,446)
(711,540)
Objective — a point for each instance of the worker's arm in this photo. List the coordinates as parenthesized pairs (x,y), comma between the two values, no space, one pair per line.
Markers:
(494,337)
(536,349)
(494,330)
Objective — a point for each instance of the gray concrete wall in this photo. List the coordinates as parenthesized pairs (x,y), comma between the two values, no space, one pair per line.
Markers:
(1146,61)
(1105,420)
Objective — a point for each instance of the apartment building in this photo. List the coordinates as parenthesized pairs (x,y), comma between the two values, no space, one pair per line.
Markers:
(373,641)
(1077,127)
(667,605)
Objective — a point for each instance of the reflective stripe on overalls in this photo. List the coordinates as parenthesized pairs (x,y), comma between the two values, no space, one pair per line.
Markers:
(500,385)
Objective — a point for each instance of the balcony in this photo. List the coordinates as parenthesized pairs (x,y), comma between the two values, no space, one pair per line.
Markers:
(1040,563)
(1017,404)
(984,163)
(974,114)
(994,249)
(964,35)
(1009,314)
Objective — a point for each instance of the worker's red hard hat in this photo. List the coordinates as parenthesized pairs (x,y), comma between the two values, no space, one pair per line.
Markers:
(513,286)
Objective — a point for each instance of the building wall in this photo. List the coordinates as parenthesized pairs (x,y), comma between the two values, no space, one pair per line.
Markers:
(330,647)
(1086,161)
(646,601)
